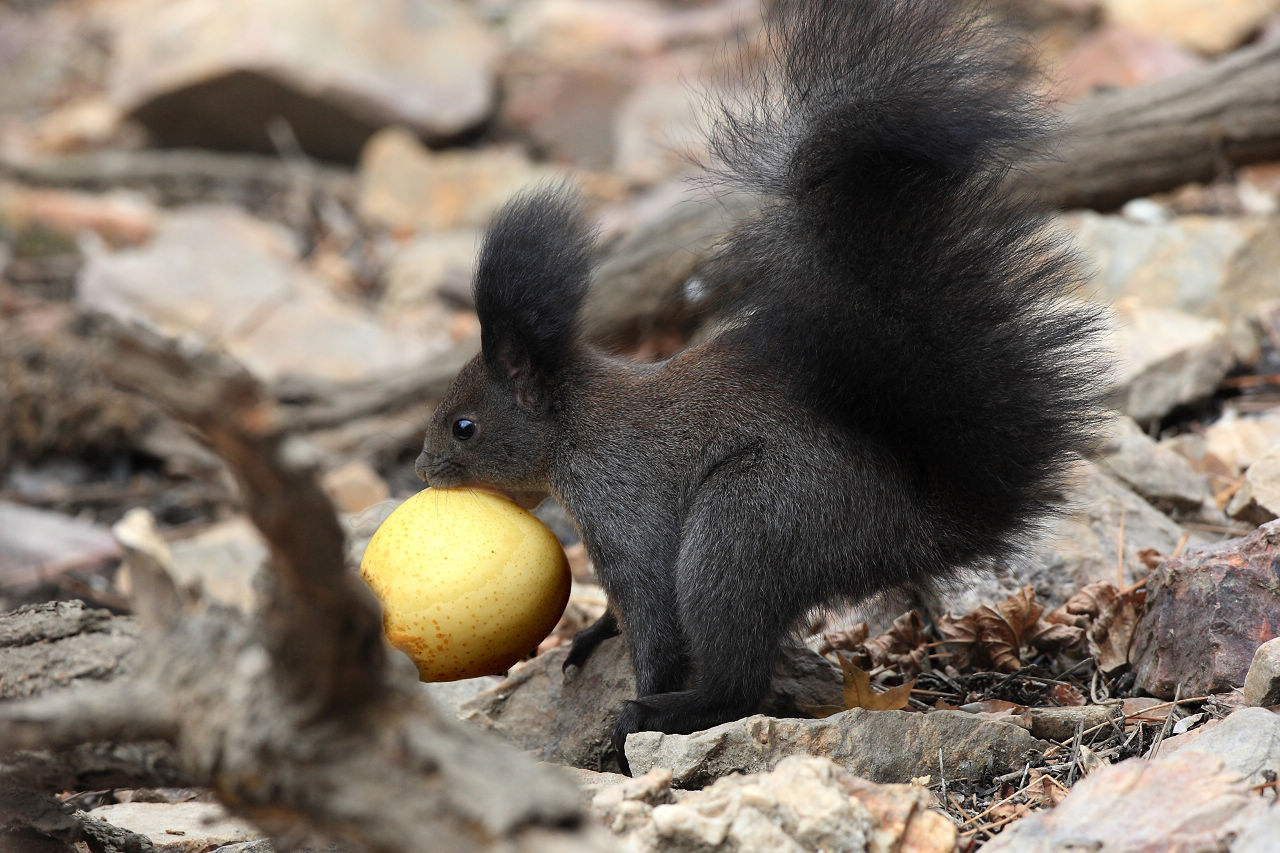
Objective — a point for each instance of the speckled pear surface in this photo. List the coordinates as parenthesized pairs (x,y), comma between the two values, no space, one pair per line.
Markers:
(469,582)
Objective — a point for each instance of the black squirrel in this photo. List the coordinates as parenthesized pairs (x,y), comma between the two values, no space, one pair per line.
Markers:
(895,394)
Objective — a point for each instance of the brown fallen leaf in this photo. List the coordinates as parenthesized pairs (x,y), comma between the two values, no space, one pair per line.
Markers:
(858,692)
(994,636)
(1110,636)
(903,648)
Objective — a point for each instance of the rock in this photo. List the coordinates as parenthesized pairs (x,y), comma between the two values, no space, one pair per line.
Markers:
(883,746)
(408,188)
(1258,500)
(179,827)
(1247,743)
(1240,440)
(1081,546)
(1165,359)
(1205,27)
(212,74)
(354,486)
(225,277)
(803,804)
(121,218)
(568,720)
(566,110)
(1183,803)
(659,130)
(1262,682)
(431,264)
(453,694)
(37,545)
(90,123)
(220,563)
(1118,57)
(1157,473)
(1206,615)
(55,645)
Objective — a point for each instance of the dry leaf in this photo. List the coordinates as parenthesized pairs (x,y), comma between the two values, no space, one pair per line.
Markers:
(1090,600)
(1151,558)
(902,648)
(844,639)
(858,692)
(1110,636)
(1066,696)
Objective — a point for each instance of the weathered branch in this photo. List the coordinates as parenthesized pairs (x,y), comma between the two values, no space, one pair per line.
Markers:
(1196,126)
(300,718)
(315,595)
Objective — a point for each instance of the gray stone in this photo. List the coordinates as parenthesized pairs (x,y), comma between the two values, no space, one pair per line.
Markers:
(805,803)
(1104,518)
(225,277)
(1213,266)
(1186,802)
(1247,743)
(1258,499)
(569,719)
(419,271)
(1157,473)
(220,562)
(179,827)
(1262,683)
(1240,440)
(408,188)
(216,73)
(883,746)
(1165,359)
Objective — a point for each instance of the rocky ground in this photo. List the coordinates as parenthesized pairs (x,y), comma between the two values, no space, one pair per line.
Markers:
(301,185)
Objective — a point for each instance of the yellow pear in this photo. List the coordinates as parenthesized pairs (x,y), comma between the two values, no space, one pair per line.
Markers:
(469,582)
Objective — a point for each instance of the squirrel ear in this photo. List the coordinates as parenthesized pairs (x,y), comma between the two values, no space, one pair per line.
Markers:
(530,281)
(517,372)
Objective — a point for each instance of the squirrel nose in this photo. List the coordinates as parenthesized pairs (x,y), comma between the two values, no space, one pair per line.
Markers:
(422,467)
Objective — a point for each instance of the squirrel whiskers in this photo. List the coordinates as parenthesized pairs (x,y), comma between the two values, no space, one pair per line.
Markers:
(899,393)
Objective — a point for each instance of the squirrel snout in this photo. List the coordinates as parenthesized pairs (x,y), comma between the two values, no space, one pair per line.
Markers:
(422,467)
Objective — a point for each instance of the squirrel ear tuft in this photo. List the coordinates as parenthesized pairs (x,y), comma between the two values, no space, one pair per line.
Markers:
(533,272)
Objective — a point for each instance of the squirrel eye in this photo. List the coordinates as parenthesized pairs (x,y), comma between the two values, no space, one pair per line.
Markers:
(463,429)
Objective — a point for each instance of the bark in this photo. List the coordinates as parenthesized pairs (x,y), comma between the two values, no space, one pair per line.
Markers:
(1197,126)
(300,717)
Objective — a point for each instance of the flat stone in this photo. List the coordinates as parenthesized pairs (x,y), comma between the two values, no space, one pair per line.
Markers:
(217,73)
(428,265)
(1258,499)
(883,746)
(1157,473)
(569,720)
(1186,802)
(1207,613)
(1205,27)
(220,275)
(408,188)
(1118,57)
(36,543)
(805,803)
(1262,682)
(1240,440)
(220,562)
(1246,742)
(1165,359)
(354,486)
(1104,518)
(179,827)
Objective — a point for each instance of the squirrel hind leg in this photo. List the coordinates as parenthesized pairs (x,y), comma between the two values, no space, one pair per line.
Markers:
(735,604)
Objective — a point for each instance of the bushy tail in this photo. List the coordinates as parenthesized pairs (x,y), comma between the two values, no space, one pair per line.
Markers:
(910,296)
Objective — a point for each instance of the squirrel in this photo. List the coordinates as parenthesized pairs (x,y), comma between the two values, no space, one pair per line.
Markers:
(896,391)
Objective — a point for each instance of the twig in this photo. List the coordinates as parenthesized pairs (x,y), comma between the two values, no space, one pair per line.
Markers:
(1168,722)
(1075,752)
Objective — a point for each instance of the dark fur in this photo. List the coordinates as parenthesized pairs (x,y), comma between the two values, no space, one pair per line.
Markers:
(896,395)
